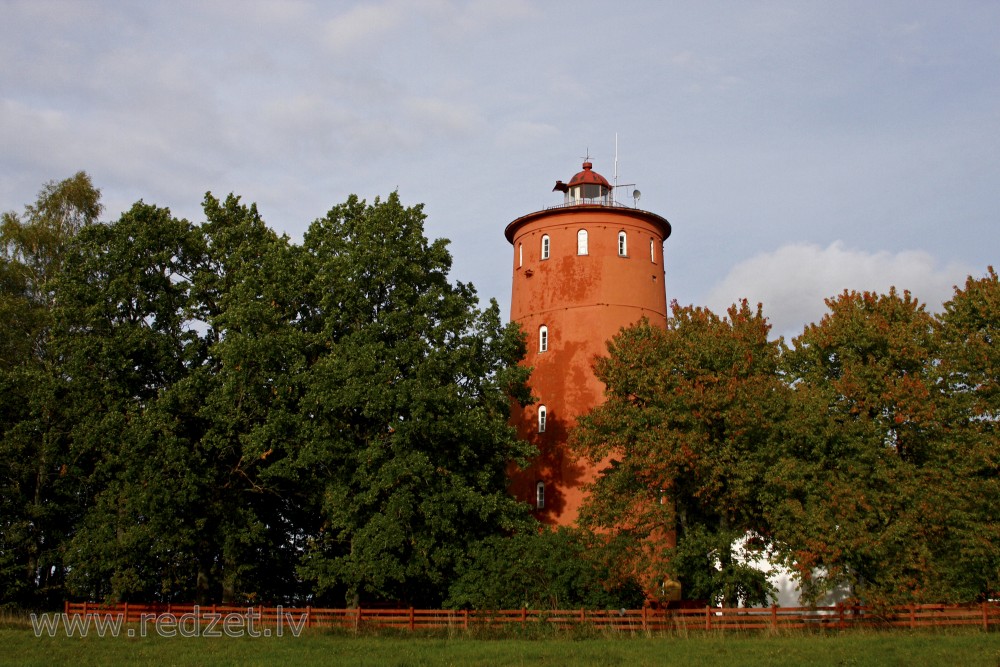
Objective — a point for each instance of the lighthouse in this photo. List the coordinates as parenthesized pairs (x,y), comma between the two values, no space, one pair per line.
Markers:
(583,269)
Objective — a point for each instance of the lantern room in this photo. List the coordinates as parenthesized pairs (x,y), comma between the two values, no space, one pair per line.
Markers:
(586,187)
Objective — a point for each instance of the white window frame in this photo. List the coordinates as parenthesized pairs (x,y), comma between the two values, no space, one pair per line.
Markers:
(622,244)
(652,251)
(546,246)
(520,255)
(582,242)
(540,495)
(543,415)
(543,338)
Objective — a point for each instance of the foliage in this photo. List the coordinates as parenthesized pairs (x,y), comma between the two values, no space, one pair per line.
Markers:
(968,379)
(410,397)
(549,569)
(687,430)
(214,412)
(39,499)
(868,493)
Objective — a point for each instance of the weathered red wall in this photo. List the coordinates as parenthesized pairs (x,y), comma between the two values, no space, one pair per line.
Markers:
(584,300)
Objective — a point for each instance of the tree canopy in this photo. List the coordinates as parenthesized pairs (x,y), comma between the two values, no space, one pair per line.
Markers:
(863,456)
(688,431)
(215,413)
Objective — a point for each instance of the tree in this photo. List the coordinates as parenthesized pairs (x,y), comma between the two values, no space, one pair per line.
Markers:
(863,495)
(181,340)
(968,377)
(253,296)
(125,341)
(38,500)
(687,430)
(548,569)
(406,408)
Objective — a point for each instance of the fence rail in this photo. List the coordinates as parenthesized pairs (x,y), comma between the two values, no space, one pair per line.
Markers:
(983,615)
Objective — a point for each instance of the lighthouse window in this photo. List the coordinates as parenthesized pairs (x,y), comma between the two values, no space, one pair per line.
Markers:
(543,338)
(520,254)
(541,418)
(581,242)
(540,495)
(652,252)
(545,246)
(622,244)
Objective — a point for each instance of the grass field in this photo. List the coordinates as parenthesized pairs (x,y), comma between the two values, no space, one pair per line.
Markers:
(966,648)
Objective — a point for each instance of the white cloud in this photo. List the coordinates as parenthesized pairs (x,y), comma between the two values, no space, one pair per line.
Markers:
(793,281)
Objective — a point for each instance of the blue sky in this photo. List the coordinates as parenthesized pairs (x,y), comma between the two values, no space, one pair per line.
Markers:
(798,148)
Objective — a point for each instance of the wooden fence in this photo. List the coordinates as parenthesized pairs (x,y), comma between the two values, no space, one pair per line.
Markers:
(839,617)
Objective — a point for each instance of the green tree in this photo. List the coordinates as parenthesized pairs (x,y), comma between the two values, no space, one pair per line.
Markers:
(183,341)
(38,499)
(687,430)
(253,292)
(406,408)
(548,569)
(125,341)
(968,376)
(864,494)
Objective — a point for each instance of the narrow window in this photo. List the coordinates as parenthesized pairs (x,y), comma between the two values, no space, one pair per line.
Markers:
(540,495)
(545,246)
(622,244)
(520,255)
(581,242)
(652,252)
(541,419)
(543,338)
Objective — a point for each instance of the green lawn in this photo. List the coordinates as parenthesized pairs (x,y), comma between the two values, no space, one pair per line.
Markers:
(965,648)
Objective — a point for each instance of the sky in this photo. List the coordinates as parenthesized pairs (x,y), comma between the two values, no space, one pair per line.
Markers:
(798,148)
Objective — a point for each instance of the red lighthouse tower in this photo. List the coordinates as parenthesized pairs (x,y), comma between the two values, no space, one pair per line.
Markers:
(582,271)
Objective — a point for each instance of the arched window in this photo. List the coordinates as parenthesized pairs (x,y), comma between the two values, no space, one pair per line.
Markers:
(581,242)
(541,418)
(652,251)
(545,246)
(520,255)
(543,338)
(622,244)
(540,495)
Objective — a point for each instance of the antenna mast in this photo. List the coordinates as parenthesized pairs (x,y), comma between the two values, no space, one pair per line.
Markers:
(614,189)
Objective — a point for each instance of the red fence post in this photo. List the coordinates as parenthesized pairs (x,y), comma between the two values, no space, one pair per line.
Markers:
(986,617)
(913,617)
(412,624)
(708,618)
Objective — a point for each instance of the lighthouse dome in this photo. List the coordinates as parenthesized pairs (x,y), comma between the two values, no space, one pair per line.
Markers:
(589,177)
(588,187)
